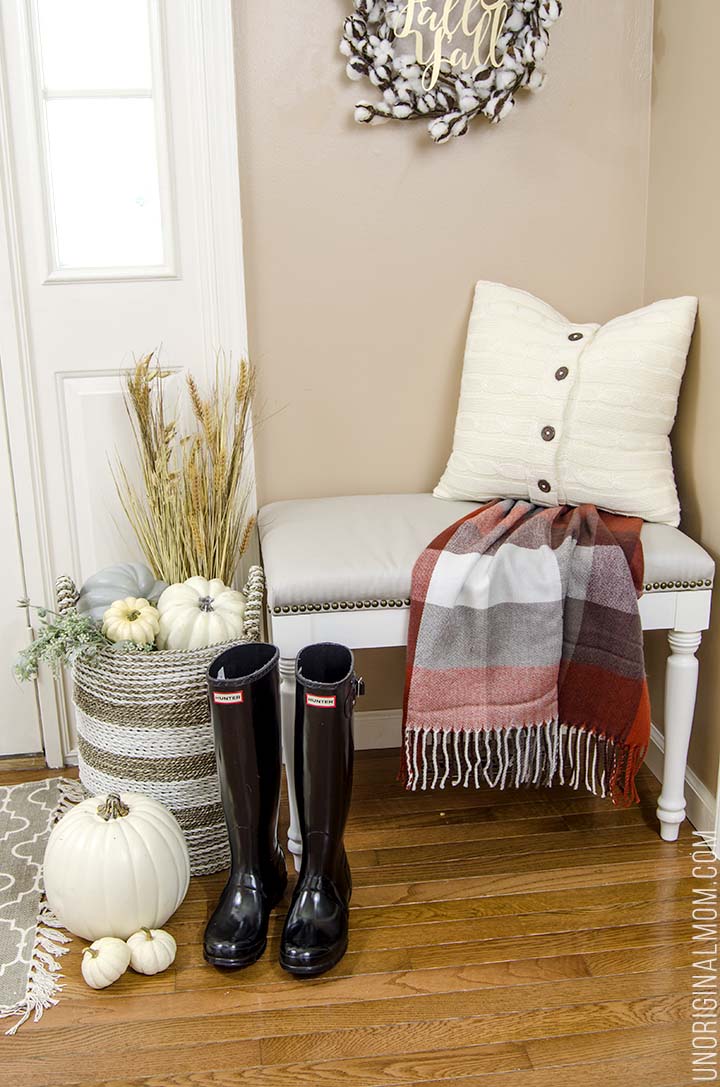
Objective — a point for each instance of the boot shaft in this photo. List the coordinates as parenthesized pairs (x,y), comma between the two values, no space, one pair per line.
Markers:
(326,688)
(243,686)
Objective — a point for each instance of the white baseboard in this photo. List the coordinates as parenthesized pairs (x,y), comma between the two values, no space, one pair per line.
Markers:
(701,804)
(378,728)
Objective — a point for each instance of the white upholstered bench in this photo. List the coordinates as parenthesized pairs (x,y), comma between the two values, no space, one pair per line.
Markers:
(338,569)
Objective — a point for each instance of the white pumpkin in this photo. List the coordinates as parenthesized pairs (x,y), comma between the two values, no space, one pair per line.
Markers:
(131,620)
(115,864)
(116,582)
(104,962)
(152,950)
(197,613)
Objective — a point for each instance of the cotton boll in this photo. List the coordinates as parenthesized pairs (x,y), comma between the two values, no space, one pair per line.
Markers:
(364,113)
(536,80)
(356,69)
(504,79)
(390,96)
(439,130)
(515,21)
(345,48)
(459,127)
(468,102)
(483,78)
(549,11)
(402,111)
(395,20)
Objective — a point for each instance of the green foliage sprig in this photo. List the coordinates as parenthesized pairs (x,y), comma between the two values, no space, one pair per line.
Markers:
(61,640)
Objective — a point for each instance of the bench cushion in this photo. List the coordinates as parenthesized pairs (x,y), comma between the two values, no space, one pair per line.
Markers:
(362,548)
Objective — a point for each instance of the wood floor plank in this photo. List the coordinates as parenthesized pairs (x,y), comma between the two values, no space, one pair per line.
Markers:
(433,890)
(525,1027)
(445,1064)
(265,1023)
(243,993)
(577,905)
(487,848)
(443,933)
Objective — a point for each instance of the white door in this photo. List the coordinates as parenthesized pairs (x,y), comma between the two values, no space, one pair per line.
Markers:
(122,214)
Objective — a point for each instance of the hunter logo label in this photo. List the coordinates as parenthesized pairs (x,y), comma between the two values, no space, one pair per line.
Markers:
(228,698)
(323,701)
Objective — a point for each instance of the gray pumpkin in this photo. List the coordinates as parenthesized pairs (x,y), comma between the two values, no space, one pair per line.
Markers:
(115,583)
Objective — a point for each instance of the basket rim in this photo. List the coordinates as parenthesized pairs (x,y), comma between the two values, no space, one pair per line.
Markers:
(110,660)
(157,657)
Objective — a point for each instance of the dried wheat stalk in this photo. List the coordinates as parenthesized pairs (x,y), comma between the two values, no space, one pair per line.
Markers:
(190,515)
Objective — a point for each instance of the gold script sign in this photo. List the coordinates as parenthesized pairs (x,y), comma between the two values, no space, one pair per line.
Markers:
(481,21)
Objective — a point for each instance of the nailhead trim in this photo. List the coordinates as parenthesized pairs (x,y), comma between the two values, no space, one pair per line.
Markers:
(359,605)
(339,605)
(665,586)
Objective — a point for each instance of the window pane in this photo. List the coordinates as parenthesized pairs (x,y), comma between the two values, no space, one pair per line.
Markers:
(95,44)
(103,165)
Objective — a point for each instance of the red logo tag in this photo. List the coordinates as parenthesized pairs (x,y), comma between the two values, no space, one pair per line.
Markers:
(323,701)
(228,698)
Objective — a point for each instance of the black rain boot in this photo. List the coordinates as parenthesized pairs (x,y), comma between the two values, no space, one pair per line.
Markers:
(315,935)
(245,705)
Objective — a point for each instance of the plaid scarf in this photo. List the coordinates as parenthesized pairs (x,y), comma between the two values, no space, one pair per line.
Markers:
(525,652)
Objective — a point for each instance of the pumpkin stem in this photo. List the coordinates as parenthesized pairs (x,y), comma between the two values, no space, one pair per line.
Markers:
(112,807)
(148,933)
(91,952)
(205,603)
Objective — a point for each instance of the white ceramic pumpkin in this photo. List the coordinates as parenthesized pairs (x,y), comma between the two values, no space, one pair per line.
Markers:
(152,950)
(115,864)
(131,620)
(116,582)
(197,613)
(104,962)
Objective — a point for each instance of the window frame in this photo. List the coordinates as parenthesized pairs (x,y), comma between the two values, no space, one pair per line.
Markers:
(169,268)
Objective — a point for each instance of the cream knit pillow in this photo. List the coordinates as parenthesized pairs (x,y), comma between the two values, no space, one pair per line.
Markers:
(558,412)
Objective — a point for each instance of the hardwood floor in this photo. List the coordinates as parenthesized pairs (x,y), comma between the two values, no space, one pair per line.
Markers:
(516,939)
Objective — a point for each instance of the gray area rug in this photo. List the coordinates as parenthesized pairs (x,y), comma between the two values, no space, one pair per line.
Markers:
(30,940)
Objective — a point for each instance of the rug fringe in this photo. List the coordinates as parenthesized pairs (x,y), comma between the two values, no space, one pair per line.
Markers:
(44,985)
(535,754)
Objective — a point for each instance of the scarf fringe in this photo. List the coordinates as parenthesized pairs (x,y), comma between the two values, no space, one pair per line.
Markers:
(538,754)
(44,986)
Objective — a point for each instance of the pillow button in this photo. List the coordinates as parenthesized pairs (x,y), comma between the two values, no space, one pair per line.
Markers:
(561,373)
(547,433)
(575,336)
(544,486)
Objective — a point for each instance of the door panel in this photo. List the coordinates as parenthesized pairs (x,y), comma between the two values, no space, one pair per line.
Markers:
(84,325)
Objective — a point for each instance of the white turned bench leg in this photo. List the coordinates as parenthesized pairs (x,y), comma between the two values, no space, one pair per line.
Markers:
(681,678)
(287,711)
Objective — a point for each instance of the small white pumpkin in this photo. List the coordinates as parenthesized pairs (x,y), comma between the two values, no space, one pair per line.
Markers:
(152,950)
(197,613)
(133,619)
(115,864)
(116,582)
(104,961)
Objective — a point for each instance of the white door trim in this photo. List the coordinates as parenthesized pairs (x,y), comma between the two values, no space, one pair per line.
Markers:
(211,117)
(16,359)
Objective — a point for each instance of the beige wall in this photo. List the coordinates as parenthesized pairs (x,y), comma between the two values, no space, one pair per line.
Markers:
(363,245)
(683,257)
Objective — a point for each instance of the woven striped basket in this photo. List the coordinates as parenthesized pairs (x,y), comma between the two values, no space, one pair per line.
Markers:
(143,722)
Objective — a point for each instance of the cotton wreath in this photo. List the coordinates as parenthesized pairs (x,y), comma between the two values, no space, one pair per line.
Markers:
(455,100)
